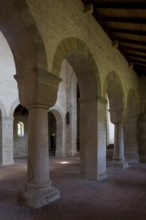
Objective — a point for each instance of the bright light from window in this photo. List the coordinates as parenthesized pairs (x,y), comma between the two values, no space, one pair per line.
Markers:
(64,162)
(20,129)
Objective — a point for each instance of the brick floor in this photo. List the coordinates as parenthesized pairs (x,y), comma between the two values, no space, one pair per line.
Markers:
(122,196)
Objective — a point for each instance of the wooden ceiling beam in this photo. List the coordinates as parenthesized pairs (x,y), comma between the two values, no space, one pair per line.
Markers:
(128,31)
(129,41)
(136,55)
(140,72)
(140,67)
(134,49)
(98,18)
(133,20)
(119,5)
(135,61)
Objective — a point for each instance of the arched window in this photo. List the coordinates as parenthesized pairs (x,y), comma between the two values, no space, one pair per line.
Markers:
(20,129)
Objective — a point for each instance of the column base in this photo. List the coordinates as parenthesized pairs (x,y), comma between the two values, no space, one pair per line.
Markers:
(97,177)
(7,163)
(120,164)
(101,177)
(60,154)
(70,154)
(36,196)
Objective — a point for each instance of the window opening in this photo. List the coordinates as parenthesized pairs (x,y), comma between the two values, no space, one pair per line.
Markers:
(20,129)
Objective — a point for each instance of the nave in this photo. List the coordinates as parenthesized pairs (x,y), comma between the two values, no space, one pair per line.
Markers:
(120,196)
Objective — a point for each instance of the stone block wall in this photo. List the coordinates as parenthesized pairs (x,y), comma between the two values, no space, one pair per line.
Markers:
(58,20)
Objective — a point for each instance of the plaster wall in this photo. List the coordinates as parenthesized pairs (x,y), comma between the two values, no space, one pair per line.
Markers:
(8,85)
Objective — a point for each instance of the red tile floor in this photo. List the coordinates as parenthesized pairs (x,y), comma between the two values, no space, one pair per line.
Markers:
(122,196)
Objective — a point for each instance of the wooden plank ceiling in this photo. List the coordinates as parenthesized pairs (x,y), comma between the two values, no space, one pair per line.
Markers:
(124,21)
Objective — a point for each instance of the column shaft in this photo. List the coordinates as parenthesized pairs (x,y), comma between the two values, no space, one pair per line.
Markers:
(38,191)
(6,142)
(119,144)
(38,153)
(60,139)
(118,157)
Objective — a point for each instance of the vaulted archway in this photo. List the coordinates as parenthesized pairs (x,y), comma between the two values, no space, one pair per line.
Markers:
(92,153)
(20,131)
(19,33)
(22,35)
(58,131)
(114,90)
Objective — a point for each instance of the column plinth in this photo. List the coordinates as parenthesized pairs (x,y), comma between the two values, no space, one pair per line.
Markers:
(38,195)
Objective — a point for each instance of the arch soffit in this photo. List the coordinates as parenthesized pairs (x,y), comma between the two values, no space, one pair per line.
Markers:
(72,46)
(19,29)
(58,113)
(113,77)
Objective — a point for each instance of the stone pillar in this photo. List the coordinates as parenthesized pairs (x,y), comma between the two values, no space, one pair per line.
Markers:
(118,156)
(71,125)
(93,138)
(38,190)
(142,137)
(60,139)
(6,142)
(38,92)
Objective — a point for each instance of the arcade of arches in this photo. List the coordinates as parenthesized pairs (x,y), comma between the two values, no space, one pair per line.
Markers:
(73,93)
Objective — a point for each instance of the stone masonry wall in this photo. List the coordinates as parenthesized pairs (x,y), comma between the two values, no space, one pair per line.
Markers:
(58,20)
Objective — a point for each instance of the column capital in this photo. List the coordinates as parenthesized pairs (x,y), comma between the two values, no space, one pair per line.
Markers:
(102,100)
(38,87)
(7,118)
(116,115)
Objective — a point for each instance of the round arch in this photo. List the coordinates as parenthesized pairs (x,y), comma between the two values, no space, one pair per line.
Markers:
(78,55)
(20,129)
(58,113)
(13,107)
(60,131)
(74,49)
(114,89)
(19,33)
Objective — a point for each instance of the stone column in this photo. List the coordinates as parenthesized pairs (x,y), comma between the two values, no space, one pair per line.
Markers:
(71,125)
(38,190)
(60,139)
(142,137)
(38,92)
(118,155)
(93,138)
(6,142)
